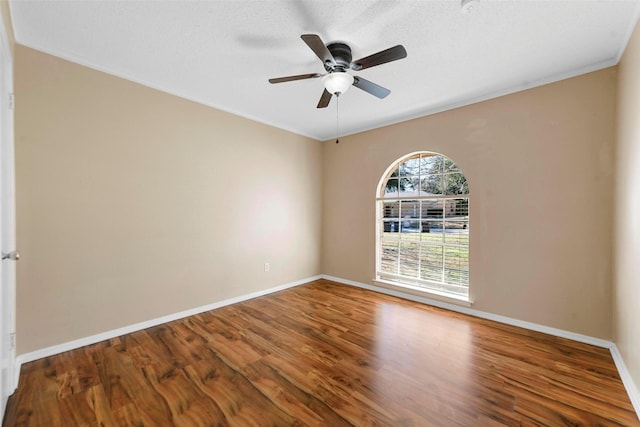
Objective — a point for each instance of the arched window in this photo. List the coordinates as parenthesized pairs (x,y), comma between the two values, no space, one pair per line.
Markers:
(423,225)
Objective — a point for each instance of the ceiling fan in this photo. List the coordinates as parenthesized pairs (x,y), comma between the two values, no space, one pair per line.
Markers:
(336,59)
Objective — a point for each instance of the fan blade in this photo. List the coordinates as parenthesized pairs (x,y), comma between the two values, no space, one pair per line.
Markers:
(370,87)
(318,47)
(382,57)
(291,78)
(324,99)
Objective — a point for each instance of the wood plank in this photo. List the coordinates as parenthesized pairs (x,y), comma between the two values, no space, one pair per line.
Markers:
(325,354)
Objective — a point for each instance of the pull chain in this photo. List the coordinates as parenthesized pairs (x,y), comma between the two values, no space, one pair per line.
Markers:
(337,117)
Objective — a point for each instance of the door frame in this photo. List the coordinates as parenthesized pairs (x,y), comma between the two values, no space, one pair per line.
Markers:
(8,224)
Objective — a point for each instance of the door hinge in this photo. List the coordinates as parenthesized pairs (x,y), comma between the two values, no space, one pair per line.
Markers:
(12,340)
(12,101)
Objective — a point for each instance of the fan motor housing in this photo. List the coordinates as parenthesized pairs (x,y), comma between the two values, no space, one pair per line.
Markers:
(341,52)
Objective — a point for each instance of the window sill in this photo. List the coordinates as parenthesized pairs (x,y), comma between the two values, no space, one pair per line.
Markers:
(424,293)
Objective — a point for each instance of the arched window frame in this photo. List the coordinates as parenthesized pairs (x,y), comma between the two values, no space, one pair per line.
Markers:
(430,246)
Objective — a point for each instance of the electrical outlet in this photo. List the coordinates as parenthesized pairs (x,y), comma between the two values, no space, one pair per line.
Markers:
(266,267)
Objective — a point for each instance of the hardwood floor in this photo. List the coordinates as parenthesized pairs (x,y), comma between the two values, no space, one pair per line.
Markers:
(325,354)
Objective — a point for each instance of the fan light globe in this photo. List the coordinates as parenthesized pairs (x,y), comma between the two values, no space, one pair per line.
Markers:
(337,82)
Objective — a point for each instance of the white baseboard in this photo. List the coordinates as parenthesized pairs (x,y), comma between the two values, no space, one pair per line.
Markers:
(93,339)
(632,389)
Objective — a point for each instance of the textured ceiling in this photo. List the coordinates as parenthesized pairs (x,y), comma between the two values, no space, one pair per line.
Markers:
(221,53)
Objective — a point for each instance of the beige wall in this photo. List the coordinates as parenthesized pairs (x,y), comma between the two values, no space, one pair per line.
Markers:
(134,204)
(626,302)
(540,167)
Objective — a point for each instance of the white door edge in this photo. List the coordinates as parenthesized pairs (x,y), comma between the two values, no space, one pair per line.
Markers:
(9,380)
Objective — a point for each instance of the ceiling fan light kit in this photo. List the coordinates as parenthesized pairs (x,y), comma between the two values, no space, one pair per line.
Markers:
(336,60)
(338,82)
